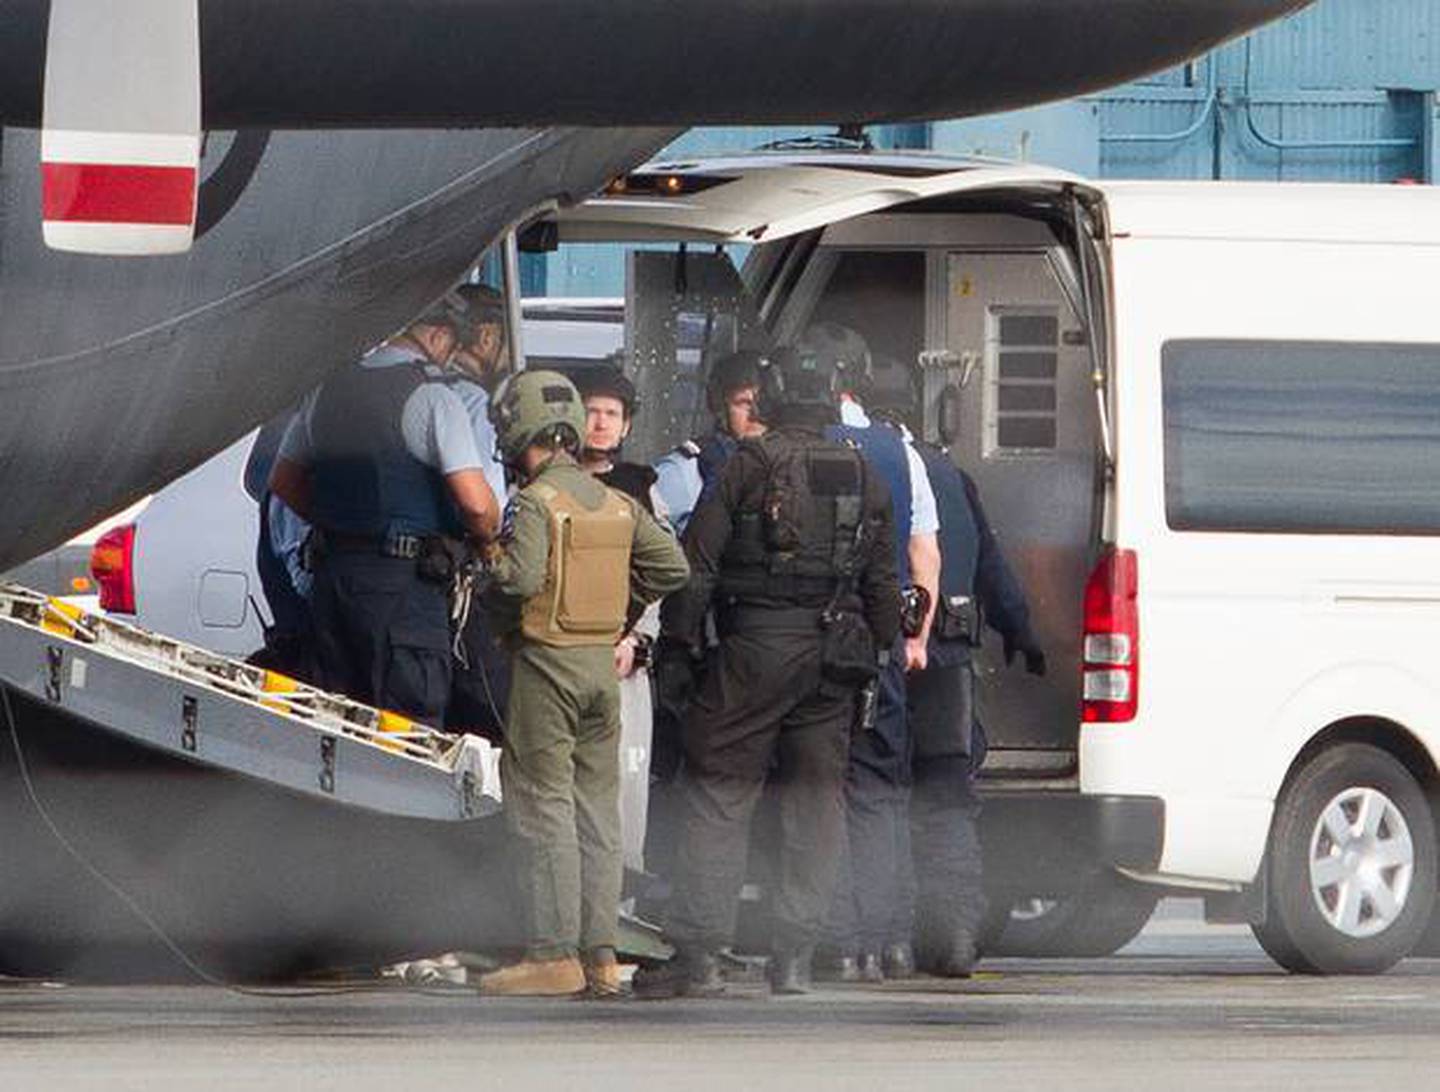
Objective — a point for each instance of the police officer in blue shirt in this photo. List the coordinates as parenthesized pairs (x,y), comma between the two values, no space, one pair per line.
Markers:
(871,940)
(977,586)
(481,688)
(382,462)
(687,472)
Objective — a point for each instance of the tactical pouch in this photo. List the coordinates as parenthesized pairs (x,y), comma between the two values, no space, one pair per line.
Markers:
(957,618)
(595,574)
(847,649)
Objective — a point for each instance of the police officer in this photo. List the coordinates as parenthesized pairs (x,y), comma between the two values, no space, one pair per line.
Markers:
(975,583)
(793,546)
(481,686)
(872,940)
(577,560)
(730,393)
(279,563)
(479,365)
(381,460)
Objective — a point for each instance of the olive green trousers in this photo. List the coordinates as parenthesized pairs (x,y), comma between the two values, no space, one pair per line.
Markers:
(560,777)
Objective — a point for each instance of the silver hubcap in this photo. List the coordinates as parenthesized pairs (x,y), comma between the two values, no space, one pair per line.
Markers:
(1032,909)
(1361,862)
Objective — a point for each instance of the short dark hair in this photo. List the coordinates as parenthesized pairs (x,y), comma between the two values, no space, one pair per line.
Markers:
(485,304)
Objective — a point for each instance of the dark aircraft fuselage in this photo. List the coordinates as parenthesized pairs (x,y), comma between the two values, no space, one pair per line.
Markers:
(118,374)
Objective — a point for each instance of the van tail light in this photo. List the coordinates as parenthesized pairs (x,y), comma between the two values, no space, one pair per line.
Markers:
(112,564)
(1111,648)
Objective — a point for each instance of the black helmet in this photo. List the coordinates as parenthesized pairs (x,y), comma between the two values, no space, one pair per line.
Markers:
(609,381)
(730,374)
(894,389)
(843,350)
(796,384)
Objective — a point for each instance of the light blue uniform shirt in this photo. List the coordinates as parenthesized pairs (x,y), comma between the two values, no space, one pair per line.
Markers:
(924,511)
(679,483)
(477,406)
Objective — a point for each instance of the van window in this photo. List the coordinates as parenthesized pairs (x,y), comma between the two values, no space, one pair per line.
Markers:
(1023,361)
(1302,436)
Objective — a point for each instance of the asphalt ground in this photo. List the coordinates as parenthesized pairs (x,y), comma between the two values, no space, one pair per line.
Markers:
(1184,1006)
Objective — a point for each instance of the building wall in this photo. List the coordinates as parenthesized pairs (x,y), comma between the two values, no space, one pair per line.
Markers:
(1344,91)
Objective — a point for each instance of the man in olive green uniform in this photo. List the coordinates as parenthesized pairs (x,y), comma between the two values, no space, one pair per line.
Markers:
(578,561)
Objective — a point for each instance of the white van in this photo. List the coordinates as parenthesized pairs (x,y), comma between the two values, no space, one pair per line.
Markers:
(1205,419)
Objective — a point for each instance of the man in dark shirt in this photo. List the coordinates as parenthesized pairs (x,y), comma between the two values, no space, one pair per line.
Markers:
(793,550)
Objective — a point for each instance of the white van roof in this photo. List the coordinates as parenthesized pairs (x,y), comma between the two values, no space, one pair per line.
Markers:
(769,195)
(1276,211)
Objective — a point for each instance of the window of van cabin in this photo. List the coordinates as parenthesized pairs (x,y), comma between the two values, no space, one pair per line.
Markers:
(1302,436)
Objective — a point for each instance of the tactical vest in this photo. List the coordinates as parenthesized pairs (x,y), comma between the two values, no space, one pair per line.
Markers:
(365,481)
(632,479)
(884,450)
(959,533)
(805,539)
(587,573)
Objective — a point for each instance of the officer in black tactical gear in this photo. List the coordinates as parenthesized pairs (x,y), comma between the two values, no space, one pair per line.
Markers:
(794,549)
(977,587)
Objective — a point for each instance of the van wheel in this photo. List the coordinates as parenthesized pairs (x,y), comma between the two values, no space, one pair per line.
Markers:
(1351,865)
(1098,920)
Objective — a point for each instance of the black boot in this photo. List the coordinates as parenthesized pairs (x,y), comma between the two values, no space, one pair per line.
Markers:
(789,971)
(870,968)
(689,974)
(956,958)
(840,968)
(899,961)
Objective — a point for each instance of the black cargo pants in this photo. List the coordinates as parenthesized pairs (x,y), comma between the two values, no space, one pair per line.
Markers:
(762,704)
(382,635)
(872,906)
(949,898)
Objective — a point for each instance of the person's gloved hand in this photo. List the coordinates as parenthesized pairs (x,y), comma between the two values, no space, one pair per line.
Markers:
(1026,645)
(676,670)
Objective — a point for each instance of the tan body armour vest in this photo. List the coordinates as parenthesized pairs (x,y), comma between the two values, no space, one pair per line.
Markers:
(587,578)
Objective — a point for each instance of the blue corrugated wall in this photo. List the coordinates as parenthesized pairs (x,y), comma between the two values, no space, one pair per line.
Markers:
(1344,91)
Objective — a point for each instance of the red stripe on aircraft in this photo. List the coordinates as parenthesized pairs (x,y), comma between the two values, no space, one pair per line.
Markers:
(110,194)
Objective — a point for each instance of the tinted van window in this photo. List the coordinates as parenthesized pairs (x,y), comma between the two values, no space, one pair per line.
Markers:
(1302,436)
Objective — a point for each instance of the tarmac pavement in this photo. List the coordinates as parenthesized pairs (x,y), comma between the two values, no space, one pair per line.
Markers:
(1184,1006)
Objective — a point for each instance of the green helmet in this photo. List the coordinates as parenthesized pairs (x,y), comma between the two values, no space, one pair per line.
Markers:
(530,405)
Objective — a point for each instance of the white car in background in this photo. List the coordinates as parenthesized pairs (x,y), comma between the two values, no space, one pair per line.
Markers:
(184,566)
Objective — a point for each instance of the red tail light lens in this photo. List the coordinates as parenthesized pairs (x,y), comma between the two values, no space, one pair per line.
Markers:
(112,565)
(1111,651)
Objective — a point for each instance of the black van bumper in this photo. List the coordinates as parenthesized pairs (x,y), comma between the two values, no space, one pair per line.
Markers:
(1050,842)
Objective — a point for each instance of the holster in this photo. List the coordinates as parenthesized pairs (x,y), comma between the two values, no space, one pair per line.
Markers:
(440,558)
(957,618)
(847,649)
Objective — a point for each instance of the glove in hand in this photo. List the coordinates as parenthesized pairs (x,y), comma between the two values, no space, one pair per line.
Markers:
(1026,645)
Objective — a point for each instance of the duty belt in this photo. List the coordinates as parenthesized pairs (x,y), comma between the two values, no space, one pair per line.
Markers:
(788,616)
(405,547)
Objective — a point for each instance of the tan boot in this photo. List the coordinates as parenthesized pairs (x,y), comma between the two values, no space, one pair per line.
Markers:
(536,978)
(602,975)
